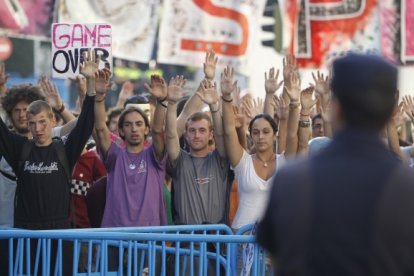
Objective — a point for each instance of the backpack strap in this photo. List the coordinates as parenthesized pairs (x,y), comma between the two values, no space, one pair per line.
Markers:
(61,153)
(26,149)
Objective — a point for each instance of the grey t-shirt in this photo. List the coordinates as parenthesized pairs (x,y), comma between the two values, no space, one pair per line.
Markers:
(200,188)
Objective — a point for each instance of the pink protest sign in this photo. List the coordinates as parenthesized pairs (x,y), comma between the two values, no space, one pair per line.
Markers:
(69,41)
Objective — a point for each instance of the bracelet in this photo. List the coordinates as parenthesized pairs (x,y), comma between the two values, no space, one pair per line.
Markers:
(301,114)
(225,100)
(162,104)
(99,101)
(162,100)
(304,123)
(60,110)
(294,104)
(214,111)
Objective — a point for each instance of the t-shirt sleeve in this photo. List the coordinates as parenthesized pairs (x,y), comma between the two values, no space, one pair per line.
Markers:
(160,164)
(174,167)
(239,168)
(56,131)
(110,159)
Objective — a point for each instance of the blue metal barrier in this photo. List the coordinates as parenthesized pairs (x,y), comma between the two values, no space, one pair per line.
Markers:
(167,250)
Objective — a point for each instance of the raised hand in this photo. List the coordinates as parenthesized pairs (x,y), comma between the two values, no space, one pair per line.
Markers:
(271,83)
(227,85)
(281,108)
(398,115)
(81,84)
(175,89)
(240,118)
(252,107)
(51,92)
(103,82)
(208,92)
(321,87)
(306,100)
(127,91)
(90,65)
(258,105)
(158,87)
(294,90)
(408,106)
(326,112)
(209,65)
(289,67)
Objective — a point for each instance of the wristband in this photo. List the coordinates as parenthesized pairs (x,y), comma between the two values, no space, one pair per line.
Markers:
(162,104)
(162,100)
(61,109)
(225,100)
(294,104)
(304,123)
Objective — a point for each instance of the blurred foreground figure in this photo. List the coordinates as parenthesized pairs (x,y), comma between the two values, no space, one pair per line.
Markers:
(348,209)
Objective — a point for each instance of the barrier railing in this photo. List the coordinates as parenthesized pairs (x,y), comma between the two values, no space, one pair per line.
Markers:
(164,250)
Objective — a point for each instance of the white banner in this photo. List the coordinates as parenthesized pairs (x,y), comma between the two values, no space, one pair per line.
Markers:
(134,23)
(191,27)
(69,41)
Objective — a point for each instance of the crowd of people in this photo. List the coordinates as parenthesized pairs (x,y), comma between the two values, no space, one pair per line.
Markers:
(175,162)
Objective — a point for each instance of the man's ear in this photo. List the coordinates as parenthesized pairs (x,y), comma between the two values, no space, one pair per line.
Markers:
(121,132)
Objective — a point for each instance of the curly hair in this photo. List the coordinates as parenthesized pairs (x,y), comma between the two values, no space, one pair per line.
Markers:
(24,92)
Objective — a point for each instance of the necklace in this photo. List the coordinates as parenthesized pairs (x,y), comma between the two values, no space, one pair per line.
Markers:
(132,165)
(265,162)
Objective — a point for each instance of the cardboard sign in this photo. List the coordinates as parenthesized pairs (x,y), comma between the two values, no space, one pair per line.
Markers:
(69,41)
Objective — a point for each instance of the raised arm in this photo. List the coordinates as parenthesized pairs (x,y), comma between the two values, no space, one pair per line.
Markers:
(282,114)
(3,79)
(240,126)
(392,132)
(408,106)
(307,103)
(158,89)
(326,117)
(209,95)
(321,86)
(175,92)
(127,91)
(101,130)
(234,149)
(271,86)
(81,86)
(289,67)
(78,137)
(293,121)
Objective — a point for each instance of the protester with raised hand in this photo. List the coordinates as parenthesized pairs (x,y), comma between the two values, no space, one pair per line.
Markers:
(253,172)
(304,134)
(271,86)
(194,103)
(200,173)
(293,93)
(130,204)
(281,115)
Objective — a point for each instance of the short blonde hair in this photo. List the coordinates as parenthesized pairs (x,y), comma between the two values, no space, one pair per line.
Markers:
(40,106)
